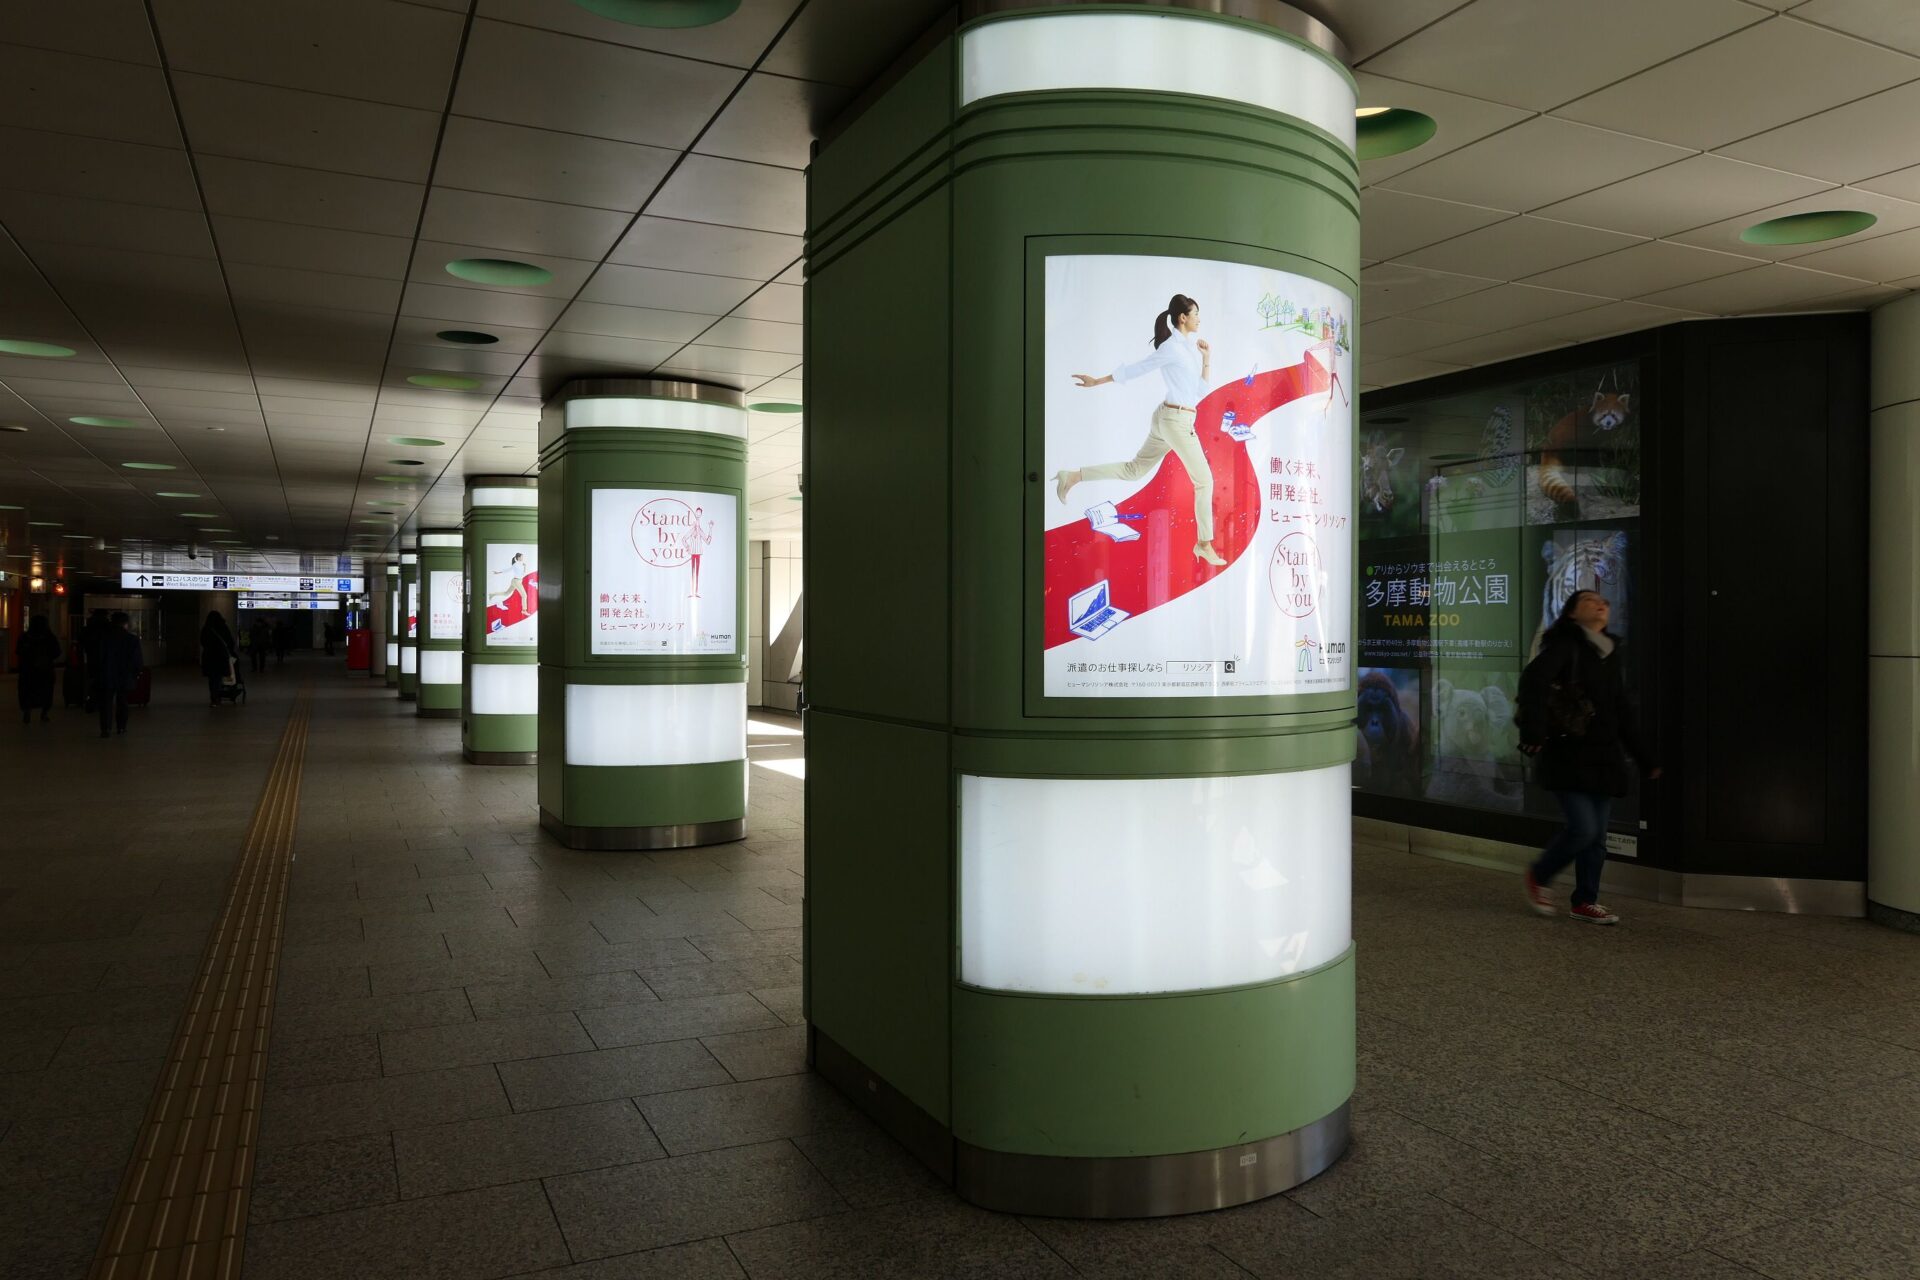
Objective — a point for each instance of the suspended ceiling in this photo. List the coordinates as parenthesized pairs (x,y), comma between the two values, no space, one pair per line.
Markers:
(239,215)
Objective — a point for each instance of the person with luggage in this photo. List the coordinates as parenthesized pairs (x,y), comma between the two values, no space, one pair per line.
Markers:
(121,661)
(219,656)
(36,655)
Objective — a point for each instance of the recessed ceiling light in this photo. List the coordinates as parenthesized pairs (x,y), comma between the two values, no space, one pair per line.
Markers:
(396,479)
(228,542)
(8,506)
(1806,228)
(45,350)
(378,522)
(466,337)
(200,515)
(1390,132)
(406,462)
(43,524)
(76,535)
(662,13)
(149,466)
(416,442)
(444,381)
(214,429)
(176,494)
(775,406)
(1361,113)
(214,529)
(498,271)
(94,420)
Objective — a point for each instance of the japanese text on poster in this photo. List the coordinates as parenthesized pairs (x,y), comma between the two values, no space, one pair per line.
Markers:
(664,575)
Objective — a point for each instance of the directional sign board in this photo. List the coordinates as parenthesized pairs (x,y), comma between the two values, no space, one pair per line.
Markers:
(162,580)
(285,600)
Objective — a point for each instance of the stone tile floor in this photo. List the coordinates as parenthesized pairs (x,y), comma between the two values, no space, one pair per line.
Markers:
(494,1057)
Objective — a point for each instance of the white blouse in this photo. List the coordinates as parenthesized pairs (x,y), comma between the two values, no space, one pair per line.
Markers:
(1178,361)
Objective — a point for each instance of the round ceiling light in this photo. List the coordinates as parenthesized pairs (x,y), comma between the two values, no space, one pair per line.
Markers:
(1807,228)
(406,462)
(662,13)
(398,479)
(498,271)
(1389,131)
(94,420)
(8,506)
(43,524)
(45,350)
(199,515)
(444,381)
(13,428)
(775,406)
(416,442)
(466,337)
(176,493)
(148,466)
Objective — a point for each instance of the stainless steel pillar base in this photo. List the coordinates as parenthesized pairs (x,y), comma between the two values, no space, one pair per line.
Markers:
(439,713)
(685,835)
(502,757)
(1149,1186)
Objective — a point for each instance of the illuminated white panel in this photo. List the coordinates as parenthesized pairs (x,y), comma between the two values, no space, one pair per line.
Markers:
(654,724)
(1107,887)
(502,689)
(408,557)
(440,666)
(1165,53)
(441,539)
(492,497)
(658,415)
(393,651)
(409,663)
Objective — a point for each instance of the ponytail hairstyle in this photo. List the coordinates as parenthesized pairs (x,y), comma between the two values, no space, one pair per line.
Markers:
(1178,306)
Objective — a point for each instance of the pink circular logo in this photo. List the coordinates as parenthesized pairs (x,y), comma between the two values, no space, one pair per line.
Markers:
(1293,575)
(661,532)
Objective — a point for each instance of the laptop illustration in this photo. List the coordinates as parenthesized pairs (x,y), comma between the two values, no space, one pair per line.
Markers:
(1106,518)
(1090,614)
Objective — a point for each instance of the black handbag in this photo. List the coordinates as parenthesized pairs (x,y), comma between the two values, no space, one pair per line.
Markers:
(1569,709)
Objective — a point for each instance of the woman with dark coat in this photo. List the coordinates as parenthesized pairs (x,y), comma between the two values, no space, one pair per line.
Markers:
(1579,674)
(218,652)
(37,654)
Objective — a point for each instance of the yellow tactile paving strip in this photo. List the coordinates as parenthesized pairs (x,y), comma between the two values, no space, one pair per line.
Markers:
(182,1208)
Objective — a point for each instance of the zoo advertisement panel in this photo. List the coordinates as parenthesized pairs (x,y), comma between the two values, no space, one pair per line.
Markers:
(1198,446)
(664,572)
(513,595)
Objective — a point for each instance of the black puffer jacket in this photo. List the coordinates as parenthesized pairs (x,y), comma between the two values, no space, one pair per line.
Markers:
(1596,761)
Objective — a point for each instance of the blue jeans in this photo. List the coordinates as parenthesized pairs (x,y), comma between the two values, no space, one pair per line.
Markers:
(1582,842)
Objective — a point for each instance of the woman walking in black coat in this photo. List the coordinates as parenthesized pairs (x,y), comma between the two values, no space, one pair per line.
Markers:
(37,654)
(1578,723)
(218,652)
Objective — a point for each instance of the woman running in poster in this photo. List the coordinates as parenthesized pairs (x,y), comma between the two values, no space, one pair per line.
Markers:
(1184,362)
(698,540)
(517,583)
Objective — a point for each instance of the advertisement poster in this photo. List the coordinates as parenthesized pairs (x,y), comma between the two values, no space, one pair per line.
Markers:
(664,579)
(1199,494)
(513,595)
(413,611)
(446,603)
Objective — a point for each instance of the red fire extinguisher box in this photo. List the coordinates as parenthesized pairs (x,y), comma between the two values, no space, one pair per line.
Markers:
(360,650)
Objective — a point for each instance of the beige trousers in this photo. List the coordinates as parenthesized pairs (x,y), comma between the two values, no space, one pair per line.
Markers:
(1172,432)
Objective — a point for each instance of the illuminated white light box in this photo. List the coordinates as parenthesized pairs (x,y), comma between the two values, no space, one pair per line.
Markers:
(658,415)
(501,497)
(656,724)
(1167,53)
(506,689)
(440,666)
(393,652)
(409,660)
(1129,886)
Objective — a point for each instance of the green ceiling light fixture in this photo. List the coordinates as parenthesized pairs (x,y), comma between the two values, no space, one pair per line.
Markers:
(406,462)
(175,493)
(1809,228)
(44,350)
(43,524)
(444,381)
(467,337)
(417,442)
(199,515)
(149,466)
(22,430)
(775,406)
(95,420)
(662,13)
(498,271)
(1387,131)
(397,479)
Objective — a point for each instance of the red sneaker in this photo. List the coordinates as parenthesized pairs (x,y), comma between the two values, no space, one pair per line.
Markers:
(1594,913)
(1539,897)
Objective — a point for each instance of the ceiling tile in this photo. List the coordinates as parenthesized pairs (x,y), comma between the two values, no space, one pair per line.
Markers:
(525,76)
(369,49)
(709,249)
(1890,22)
(87,96)
(737,42)
(282,193)
(98,168)
(1393,223)
(479,308)
(1492,347)
(281,244)
(1858,140)
(755,335)
(315,288)
(540,164)
(1772,285)
(1755,79)
(1389,289)
(782,302)
(735,194)
(1540,53)
(774,120)
(1399,336)
(1629,273)
(747,364)
(850,42)
(1525,167)
(1894,215)
(1368,26)
(518,225)
(113,29)
(1903,185)
(1458,120)
(1386,373)
(627,355)
(422,331)
(633,322)
(1888,259)
(1614,317)
(456,359)
(1507,306)
(1698,190)
(655,289)
(1517,247)
(107,224)
(311,130)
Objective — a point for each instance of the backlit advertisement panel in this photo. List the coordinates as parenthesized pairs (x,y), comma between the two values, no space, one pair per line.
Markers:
(664,577)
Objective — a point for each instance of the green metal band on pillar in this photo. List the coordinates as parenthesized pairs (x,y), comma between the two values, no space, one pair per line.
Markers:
(655,783)
(441,555)
(499,510)
(409,625)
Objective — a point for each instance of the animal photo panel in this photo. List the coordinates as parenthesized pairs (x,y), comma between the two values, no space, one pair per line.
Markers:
(1583,445)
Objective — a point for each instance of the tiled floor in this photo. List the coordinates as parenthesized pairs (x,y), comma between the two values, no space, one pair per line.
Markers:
(493,1057)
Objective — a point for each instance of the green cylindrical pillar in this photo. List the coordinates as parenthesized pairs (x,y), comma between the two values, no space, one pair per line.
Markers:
(409,625)
(502,721)
(643,669)
(389,586)
(1080,529)
(379,621)
(441,623)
